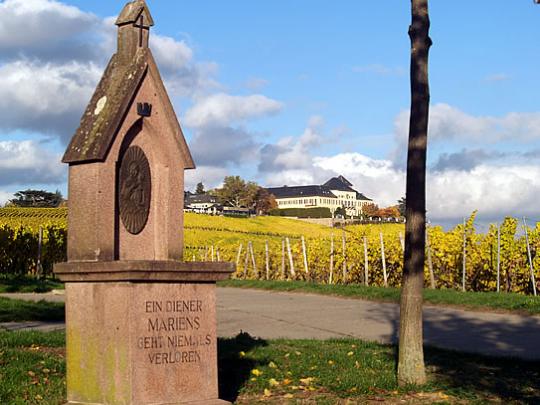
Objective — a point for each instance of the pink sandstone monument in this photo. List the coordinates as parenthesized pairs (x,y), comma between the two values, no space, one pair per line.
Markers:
(141,324)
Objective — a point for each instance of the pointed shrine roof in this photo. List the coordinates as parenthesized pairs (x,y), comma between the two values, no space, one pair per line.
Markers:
(109,105)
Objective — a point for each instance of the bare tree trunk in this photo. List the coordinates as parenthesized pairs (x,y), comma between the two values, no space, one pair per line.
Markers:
(411,369)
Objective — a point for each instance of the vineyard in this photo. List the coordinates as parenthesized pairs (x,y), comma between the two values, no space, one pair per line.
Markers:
(280,248)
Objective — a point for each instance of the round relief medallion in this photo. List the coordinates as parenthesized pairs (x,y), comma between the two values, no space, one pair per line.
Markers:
(135,190)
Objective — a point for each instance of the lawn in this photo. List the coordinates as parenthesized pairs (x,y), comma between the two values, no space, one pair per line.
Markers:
(485,301)
(292,372)
(28,285)
(19,310)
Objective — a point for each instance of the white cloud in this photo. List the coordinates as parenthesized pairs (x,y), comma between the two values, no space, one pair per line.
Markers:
(32,23)
(5,197)
(27,162)
(289,161)
(220,146)
(496,191)
(224,109)
(447,122)
(375,178)
(450,124)
(35,96)
(210,176)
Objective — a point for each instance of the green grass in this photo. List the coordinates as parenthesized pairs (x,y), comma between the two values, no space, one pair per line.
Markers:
(19,310)
(32,371)
(32,368)
(470,300)
(29,285)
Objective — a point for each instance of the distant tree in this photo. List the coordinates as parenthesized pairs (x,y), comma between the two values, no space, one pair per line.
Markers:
(389,212)
(237,193)
(264,201)
(200,188)
(37,199)
(370,210)
(402,206)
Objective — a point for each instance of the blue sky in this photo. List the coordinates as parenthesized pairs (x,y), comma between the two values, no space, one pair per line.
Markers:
(288,92)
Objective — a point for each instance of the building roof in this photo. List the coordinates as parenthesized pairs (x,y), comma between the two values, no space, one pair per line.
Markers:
(200,199)
(339,183)
(301,191)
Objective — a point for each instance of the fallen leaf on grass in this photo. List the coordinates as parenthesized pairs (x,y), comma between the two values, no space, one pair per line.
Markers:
(306,381)
(273,382)
(256,372)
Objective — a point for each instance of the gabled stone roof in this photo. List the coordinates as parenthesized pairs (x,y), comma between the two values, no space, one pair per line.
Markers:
(109,105)
(106,111)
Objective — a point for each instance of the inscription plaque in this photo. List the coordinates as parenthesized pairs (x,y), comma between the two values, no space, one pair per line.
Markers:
(134,190)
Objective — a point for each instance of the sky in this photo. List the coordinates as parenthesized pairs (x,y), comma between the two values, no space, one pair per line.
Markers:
(291,93)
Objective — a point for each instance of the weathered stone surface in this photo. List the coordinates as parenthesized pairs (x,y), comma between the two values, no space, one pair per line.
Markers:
(141,343)
(144,270)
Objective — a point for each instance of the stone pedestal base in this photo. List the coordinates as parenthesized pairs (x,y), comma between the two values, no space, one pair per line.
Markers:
(141,332)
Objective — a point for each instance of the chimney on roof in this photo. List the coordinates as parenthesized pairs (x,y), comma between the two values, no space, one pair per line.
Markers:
(134,24)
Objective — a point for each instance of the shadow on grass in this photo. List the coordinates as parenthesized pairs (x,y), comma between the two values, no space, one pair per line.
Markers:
(20,311)
(490,378)
(497,374)
(234,370)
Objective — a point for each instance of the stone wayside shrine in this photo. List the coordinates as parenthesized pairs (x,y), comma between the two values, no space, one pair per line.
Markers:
(141,323)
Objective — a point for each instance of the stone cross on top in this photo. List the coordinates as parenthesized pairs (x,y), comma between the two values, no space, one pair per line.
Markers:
(127,159)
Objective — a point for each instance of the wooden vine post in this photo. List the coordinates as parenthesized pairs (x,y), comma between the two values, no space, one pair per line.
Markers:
(366,263)
(283,259)
(291,261)
(304,254)
(533,278)
(464,268)
(383,259)
(498,258)
(430,263)
(344,248)
(331,278)
(267,260)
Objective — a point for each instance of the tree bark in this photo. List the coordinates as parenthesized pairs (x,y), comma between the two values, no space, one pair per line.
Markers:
(411,368)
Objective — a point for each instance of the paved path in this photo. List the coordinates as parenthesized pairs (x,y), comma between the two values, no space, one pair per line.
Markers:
(293,315)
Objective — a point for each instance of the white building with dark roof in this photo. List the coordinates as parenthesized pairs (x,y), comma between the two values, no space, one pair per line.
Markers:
(335,193)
